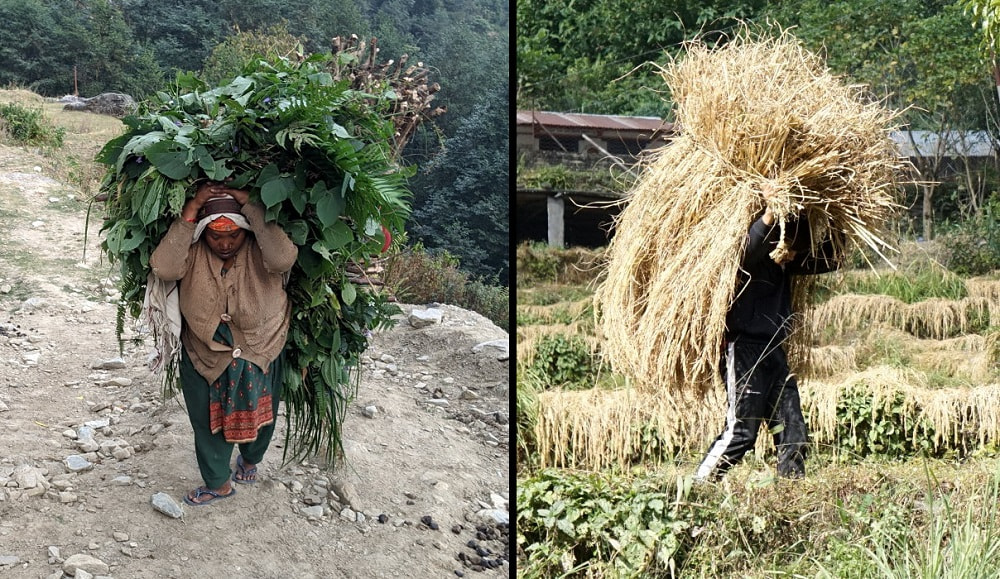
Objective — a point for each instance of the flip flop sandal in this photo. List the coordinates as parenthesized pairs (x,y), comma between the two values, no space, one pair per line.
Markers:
(201,491)
(244,472)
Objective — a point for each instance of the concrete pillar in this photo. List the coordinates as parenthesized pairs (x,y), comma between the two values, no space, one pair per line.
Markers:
(556,209)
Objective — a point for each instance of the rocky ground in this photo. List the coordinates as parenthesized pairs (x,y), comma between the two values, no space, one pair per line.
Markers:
(94,463)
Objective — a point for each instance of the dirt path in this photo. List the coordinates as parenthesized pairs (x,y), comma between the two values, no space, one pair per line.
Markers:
(87,441)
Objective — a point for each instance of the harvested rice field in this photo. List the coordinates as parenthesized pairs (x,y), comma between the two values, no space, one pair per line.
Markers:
(936,359)
(891,384)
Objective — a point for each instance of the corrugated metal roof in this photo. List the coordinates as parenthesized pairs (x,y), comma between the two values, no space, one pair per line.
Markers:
(584,121)
(946,144)
(922,144)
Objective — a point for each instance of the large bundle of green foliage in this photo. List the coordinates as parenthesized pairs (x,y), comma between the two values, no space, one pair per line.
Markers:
(317,155)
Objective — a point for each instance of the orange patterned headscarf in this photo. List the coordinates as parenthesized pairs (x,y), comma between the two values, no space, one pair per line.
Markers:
(223,224)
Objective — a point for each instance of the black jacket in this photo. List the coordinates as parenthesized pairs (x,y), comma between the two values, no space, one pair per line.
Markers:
(763,304)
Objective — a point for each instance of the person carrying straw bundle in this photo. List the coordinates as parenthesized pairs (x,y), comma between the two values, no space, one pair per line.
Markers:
(754,367)
(765,132)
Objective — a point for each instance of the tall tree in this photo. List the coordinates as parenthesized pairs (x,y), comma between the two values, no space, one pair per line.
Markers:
(318,21)
(985,16)
(112,60)
(390,22)
(37,40)
(463,193)
(181,34)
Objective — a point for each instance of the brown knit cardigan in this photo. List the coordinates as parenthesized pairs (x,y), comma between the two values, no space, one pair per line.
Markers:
(252,292)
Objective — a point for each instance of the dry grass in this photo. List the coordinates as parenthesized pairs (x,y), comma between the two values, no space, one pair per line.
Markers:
(596,429)
(973,368)
(571,265)
(954,414)
(760,109)
(86,134)
(826,361)
(989,290)
(572,310)
(935,318)
(22,97)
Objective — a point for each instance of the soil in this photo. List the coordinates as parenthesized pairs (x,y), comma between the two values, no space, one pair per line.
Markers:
(424,482)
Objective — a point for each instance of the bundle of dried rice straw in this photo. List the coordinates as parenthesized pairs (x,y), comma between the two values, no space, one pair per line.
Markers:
(758,109)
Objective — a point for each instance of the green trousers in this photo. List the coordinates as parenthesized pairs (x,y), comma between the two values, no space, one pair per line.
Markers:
(213,452)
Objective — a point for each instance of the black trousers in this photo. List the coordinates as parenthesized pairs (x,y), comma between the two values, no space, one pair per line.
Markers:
(759,389)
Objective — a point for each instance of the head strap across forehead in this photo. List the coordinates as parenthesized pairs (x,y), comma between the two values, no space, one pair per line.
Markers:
(217,206)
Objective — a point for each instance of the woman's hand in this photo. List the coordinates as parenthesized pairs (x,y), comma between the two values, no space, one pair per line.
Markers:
(193,205)
(210,190)
(768,190)
(219,189)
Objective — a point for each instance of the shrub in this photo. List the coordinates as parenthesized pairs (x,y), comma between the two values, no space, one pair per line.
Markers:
(613,527)
(536,262)
(868,427)
(417,276)
(28,126)
(230,56)
(562,360)
(974,244)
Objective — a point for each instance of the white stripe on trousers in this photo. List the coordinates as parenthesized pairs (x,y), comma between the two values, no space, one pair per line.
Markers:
(711,461)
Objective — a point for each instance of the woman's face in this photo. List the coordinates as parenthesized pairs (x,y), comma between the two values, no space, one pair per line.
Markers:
(225,244)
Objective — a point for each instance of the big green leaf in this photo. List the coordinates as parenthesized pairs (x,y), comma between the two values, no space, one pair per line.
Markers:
(277,190)
(297,231)
(348,292)
(329,208)
(173,163)
(336,236)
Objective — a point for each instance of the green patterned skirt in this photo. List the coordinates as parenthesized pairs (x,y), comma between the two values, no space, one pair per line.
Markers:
(240,400)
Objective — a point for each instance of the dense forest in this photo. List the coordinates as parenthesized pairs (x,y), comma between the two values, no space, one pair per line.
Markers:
(60,47)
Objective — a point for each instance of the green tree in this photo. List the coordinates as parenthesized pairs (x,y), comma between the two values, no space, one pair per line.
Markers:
(463,193)
(230,56)
(594,56)
(37,40)
(314,21)
(986,19)
(112,61)
(390,22)
(919,56)
(985,15)
(181,34)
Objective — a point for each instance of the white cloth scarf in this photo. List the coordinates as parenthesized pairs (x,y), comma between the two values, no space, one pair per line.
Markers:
(162,311)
